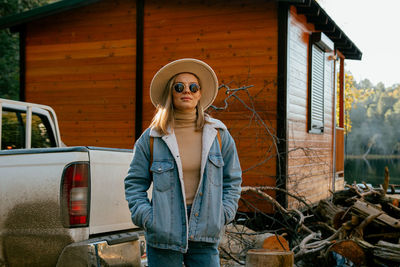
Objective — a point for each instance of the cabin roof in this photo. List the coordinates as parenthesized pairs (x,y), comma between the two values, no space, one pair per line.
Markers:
(310,8)
(316,15)
(13,21)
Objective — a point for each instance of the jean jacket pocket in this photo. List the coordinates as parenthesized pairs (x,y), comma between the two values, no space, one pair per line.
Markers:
(215,172)
(163,177)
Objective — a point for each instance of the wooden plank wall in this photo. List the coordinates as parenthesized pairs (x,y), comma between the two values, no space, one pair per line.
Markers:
(310,156)
(82,63)
(239,40)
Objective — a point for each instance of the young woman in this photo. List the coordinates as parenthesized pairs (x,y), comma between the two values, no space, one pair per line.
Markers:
(192,161)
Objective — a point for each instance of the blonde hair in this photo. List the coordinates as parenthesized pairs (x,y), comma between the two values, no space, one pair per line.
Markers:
(164,119)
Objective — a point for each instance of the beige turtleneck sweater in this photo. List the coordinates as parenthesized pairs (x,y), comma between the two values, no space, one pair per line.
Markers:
(190,145)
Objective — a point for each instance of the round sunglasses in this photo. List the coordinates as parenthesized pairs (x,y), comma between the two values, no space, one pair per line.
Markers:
(193,87)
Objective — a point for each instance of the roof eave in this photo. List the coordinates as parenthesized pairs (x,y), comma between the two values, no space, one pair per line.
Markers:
(316,15)
(16,20)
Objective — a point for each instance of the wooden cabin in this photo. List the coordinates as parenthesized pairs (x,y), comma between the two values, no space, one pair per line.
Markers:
(279,64)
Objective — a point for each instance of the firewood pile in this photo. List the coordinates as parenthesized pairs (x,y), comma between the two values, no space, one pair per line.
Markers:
(358,226)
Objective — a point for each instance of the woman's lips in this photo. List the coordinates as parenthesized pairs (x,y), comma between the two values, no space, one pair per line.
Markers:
(186,98)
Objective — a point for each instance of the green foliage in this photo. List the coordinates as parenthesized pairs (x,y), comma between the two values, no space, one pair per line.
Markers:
(375,120)
(9,47)
(9,65)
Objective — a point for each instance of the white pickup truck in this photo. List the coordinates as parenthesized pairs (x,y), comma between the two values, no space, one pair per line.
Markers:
(61,206)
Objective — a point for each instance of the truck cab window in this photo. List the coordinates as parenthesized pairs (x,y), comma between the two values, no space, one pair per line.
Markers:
(13,130)
(41,132)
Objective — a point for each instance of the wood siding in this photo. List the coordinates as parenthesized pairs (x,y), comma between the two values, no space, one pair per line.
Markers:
(239,40)
(310,158)
(82,63)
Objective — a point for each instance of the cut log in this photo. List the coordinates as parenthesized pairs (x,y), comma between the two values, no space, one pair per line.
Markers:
(268,258)
(387,251)
(384,200)
(389,245)
(388,204)
(391,235)
(365,209)
(276,243)
(342,197)
(330,213)
(350,250)
(358,232)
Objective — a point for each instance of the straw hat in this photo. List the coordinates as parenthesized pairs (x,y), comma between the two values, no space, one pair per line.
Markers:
(207,78)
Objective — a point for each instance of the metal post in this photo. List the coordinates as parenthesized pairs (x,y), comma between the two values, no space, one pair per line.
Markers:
(335,71)
(28,127)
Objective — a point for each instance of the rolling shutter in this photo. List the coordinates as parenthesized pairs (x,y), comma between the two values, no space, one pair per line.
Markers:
(316,100)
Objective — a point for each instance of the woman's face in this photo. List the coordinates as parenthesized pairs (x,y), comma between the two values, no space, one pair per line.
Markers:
(185,100)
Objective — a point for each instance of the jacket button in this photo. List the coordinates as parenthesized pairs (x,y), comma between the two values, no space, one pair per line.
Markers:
(159,169)
(201,193)
(197,215)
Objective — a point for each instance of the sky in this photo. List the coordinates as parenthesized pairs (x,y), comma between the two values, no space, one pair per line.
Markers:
(373,26)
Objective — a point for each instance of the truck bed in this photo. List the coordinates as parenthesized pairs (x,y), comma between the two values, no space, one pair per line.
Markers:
(30,212)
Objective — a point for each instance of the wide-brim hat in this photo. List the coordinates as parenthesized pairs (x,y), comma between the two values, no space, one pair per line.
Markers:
(206,75)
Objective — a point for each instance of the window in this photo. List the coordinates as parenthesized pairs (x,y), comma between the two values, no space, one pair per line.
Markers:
(41,132)
(319,44)
(13,130)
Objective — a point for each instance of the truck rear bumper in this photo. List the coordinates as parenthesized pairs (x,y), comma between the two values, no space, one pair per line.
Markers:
(113,250)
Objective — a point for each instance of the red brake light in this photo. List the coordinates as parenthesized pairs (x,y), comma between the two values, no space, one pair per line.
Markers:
(75,195)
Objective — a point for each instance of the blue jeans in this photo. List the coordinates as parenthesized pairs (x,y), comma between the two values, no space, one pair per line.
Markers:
(199,254)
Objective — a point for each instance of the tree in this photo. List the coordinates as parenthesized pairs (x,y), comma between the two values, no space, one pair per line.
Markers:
(9,47)
(364,84)
(349,98)
(353,94)
(375,116)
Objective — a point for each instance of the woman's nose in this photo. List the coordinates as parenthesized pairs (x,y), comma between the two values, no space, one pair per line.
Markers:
(186,89)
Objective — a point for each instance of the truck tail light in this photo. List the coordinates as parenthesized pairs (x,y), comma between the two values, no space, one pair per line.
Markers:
(75,195)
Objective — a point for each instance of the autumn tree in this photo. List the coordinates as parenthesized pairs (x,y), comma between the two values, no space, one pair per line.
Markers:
(352,95)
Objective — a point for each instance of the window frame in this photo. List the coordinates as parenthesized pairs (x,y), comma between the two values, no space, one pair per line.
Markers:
(319,44)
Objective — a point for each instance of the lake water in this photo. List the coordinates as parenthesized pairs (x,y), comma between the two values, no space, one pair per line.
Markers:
(371,171)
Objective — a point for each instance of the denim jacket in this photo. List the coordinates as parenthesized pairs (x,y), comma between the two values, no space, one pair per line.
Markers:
(165,218)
